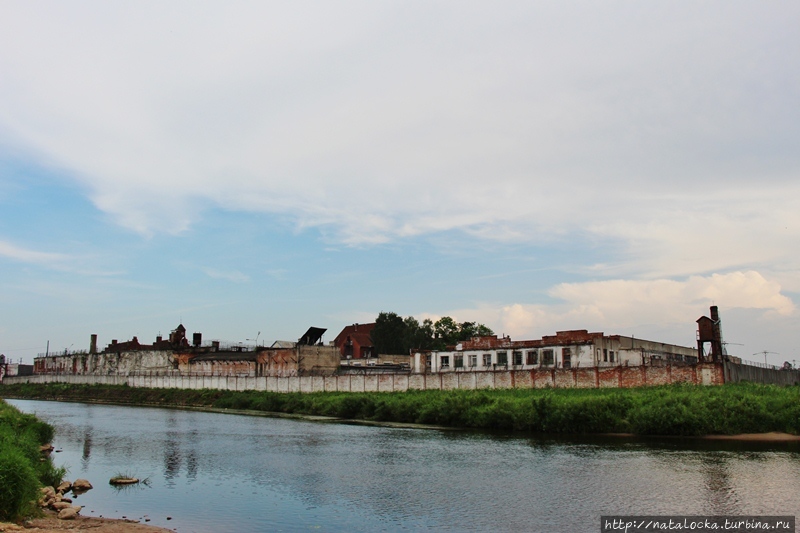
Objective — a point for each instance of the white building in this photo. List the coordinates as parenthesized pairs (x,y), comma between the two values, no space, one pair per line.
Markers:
(565,349)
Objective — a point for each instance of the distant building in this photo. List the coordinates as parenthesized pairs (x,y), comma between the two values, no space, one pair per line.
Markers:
(177,356)
(355,342)
(565,349)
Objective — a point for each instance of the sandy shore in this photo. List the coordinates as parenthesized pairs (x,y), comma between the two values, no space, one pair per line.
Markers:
(773,436)
(50,524)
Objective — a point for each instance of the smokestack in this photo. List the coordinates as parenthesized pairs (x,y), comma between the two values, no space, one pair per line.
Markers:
(93,344)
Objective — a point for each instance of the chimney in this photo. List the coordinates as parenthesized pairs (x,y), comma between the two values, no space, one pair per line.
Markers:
(197,339)
(93,344)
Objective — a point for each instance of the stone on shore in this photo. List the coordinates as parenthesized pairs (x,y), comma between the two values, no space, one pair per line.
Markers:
(69,513)
(81,485)
(64,487)
(58,506)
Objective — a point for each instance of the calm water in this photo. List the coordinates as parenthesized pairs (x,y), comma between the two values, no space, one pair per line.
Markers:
(216,472)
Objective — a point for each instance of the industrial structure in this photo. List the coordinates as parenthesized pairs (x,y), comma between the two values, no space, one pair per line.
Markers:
(307,356)
(564,350)
(573,358)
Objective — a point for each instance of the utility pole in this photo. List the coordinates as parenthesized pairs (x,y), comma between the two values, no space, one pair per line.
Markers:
(765,352)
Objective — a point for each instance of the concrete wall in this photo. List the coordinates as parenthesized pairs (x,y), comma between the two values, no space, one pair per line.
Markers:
(735,373)
(702,374)
(106,363)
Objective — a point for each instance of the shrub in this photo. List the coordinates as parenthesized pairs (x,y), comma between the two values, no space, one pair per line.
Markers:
(19,485)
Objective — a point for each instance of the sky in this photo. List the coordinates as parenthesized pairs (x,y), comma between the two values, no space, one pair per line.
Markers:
(250,169)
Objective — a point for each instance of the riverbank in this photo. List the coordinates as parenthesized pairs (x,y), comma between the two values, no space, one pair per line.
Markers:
(25,466)
(680,410)
(24,463)
(51,524)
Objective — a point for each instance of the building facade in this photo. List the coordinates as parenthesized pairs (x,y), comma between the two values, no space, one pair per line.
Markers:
(355,342)
(564,350)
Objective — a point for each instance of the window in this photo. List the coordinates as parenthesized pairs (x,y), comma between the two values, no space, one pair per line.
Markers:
(445,361)
(566,357)
(533,357)
(502,358)
(458,361)
(473,360)
(611,356)
(516,357)
(547,357)
(487,360)
(605,355)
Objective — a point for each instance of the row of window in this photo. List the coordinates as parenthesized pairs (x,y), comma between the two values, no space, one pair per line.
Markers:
(531,357)
(517,358)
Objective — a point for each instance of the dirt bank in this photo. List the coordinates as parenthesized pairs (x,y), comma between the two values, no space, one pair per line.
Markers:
(50,524)
(773,436)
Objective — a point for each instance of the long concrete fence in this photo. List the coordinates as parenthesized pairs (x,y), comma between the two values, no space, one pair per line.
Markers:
(706,374)
(626,377)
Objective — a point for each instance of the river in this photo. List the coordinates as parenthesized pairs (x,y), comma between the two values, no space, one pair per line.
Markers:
(213,472)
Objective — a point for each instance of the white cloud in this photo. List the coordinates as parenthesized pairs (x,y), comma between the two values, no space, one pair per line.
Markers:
(669,133)
(619,306)
(16,253)
(233,275)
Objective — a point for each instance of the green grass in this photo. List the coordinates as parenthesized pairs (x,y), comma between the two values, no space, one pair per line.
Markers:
(22,470)
(679,409)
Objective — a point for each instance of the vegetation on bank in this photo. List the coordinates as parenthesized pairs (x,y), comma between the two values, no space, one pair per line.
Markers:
(678,409)
(23,469)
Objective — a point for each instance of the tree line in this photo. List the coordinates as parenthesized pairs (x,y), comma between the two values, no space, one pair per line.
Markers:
(395,335)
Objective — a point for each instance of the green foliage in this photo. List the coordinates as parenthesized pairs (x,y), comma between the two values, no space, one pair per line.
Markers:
(19,485)
(679,409)
(395,335)
(22,470)
(390,334)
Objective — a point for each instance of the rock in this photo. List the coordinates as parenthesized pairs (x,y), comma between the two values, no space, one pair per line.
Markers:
(81,485)
(65,499)
(123,480)
(64,487)
(48,492)
(46,448)
(70,513)
(58,506)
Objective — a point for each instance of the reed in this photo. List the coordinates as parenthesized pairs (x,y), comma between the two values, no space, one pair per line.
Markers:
(678,409)
(23,469)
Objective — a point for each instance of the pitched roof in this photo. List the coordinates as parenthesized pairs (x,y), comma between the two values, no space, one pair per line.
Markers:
(359,333)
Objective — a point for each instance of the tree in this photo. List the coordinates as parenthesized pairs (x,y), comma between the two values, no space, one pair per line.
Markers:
(445,332)
(389,334)
(395,335)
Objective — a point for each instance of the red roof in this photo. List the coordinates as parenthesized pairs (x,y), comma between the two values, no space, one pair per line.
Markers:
(359,333)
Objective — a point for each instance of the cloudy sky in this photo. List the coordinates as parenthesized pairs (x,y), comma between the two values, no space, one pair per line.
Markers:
(247,167)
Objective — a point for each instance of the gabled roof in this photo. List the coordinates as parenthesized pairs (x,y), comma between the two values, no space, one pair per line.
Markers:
(359,333)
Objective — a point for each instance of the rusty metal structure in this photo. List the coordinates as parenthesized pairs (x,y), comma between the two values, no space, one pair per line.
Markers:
(709,330)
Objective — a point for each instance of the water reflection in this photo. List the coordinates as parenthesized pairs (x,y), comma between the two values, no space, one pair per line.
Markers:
(718,484)
(87,445)
(271,474)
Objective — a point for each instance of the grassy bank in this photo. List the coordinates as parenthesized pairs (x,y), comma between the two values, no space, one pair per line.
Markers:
(668,410)
(22,467)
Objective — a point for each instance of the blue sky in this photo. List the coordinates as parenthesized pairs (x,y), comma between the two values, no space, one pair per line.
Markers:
(269,166)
